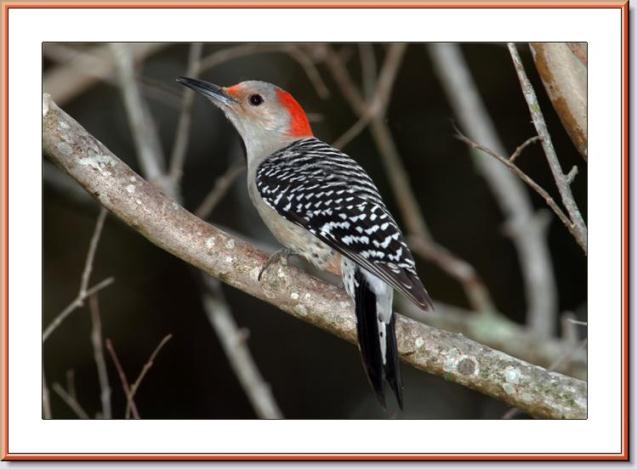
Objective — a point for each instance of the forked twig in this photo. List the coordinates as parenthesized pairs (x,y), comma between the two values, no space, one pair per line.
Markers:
(70,401)
(578,227)
(220,188)
(122,378)
(75,304)
(147,366)
(178,156)
(531,183)
(98,355)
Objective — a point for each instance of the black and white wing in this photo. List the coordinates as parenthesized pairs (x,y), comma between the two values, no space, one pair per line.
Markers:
(318,187)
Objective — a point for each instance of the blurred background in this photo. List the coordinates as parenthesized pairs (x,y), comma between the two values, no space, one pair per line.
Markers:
(310,373)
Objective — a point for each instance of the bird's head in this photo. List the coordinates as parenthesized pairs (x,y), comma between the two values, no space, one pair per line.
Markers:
(267,117)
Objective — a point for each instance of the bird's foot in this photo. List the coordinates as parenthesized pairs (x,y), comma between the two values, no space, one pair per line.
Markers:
(281,254)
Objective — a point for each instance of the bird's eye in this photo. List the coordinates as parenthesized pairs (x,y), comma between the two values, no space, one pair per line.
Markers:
(256,99)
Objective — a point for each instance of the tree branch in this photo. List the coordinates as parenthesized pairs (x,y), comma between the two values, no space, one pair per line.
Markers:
(142,126)
(178,156)
(70,401)
(78,70)
(580,230)
(130,403)
(497,331)
(98,355)
(142,206)
(233,341)
(527,233)
(145,369)
(531,183)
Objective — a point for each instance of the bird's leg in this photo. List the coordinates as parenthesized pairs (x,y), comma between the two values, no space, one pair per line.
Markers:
(281,254)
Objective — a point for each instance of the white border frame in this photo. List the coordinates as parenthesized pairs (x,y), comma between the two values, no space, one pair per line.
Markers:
(601,433)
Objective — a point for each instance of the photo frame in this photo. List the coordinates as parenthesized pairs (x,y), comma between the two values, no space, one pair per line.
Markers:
(599,432)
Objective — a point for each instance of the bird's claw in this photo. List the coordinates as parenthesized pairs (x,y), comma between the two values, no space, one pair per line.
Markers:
(281,254)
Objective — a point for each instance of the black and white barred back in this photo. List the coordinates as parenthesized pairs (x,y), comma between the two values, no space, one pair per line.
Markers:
(320,188)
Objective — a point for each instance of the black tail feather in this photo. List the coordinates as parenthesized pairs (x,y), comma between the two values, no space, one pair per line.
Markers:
(392,368)
(369,342)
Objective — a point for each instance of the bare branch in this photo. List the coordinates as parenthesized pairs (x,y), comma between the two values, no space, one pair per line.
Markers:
(565,358)
(368,67)
(180,146)
(518,151)
(220,188)
(88,266)
(579,230)
(377,104)
(76,303)
(142,126)
(98,355)
(145,369)
(70,383)
(570,177)
(237,263)
(230,53)
(123,379)
(532,184)
(528,236)
(46,401)
(234,344)
(498,332)
(309,68)
(79,70)
(70,401)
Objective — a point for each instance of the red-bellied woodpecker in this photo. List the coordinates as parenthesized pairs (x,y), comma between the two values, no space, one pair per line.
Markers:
(320,204)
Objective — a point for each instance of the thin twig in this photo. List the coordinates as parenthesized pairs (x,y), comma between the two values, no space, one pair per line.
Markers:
(579,323)
(78,70)
(570,336)
(579,229)
(368,67)
(70,383)
(76,303)
(377,103)
(182,134)
(46,401)
(220,188)
(98,355)
(532,184)
(570,177)
(143,129)
(518,151)
(309,68)
(70,401)
(234,344)
(88,265)
(525,226)
(145,369)
(122,378)
(230,53)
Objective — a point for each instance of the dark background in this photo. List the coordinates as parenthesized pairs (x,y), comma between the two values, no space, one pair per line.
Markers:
(312,374)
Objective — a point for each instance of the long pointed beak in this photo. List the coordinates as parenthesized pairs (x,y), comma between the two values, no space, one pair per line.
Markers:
(213,92)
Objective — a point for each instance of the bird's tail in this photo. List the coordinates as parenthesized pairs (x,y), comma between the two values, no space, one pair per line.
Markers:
(376,333)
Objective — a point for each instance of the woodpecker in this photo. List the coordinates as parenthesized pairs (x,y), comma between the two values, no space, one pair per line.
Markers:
(321,205)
